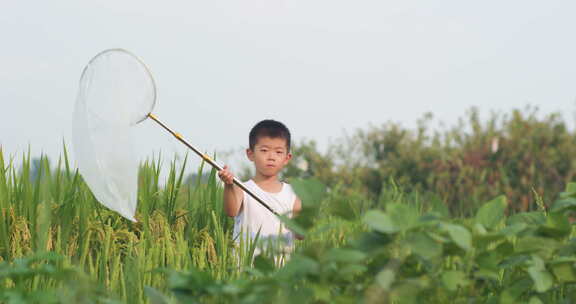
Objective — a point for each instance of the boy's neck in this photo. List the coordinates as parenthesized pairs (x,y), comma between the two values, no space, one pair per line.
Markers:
(268,183)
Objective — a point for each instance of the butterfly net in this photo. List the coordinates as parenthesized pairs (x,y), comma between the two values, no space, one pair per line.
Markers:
(116,92)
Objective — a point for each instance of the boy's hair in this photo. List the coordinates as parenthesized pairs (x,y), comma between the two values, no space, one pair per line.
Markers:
(270,128)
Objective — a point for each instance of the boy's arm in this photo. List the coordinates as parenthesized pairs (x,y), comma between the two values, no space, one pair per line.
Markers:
(295,210)
(233,195)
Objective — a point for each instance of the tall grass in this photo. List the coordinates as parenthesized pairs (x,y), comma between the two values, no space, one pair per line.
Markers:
(49,208)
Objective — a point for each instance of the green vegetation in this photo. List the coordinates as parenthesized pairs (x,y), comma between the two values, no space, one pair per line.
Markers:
(180,226)
(415,220)
(519,154)
(405,255)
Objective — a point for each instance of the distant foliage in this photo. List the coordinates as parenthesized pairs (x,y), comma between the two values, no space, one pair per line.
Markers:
(524,155)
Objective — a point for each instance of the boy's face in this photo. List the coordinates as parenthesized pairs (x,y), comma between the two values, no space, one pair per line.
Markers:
(269,155)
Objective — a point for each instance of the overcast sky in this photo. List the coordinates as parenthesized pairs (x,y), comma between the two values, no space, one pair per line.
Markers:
(321,67)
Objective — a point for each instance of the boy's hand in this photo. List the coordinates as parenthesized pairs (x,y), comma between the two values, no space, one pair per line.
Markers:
(226,176)
(232,194)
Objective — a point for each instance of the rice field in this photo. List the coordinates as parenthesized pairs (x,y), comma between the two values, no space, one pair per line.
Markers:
(48,209)
(59,245)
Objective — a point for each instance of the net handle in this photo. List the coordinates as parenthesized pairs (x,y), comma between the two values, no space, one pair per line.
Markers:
(209,160)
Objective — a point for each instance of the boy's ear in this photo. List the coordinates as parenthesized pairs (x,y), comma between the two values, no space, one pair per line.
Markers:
(250,154)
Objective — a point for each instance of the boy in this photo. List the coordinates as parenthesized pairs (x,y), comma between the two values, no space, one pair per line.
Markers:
(269,150)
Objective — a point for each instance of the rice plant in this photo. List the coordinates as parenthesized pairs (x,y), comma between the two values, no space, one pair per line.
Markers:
(48,208)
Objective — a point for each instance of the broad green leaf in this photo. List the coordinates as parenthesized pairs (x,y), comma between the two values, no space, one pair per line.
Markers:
(264,264)
(350,270)
(401,293)
(429,219)
(513,229)
(321,292)
(511,294)
(571,188)
(299,266)
(563,269)
(307,217)
(557,225)
(343,207)
(486,239)
(487,274)
(424,246)
(529,218)
(564,204)
(514,261)
(293,225)
(492,299)
(564,272)
(564,259)
(385,278)
(570,191)
(489,260)
(492,213)
(404,216)
(453,279)
(372,241)
(345,255)
(505,249)
(568,249)
(543,280)
(545,247)
(310,191)
(438,237)
(537,263)
(232,288)
(479,229)
(499,235)
(535,300)
(460,235)
(155,296)
(380,222)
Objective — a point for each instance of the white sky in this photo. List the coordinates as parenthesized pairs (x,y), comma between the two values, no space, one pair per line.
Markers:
(321,67)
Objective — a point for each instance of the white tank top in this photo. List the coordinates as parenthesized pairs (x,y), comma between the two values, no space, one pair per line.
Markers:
(254,217)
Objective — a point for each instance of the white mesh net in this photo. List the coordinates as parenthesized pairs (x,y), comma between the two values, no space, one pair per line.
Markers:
(116,91)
